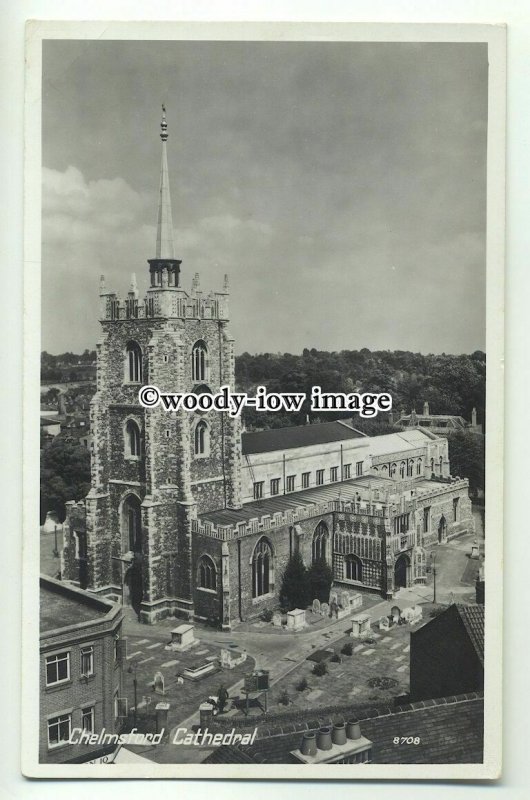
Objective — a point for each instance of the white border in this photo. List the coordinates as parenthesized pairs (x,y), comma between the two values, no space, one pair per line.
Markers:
(495,36)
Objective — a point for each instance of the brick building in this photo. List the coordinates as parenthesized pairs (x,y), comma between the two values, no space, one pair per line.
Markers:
(80,670)
(188,515)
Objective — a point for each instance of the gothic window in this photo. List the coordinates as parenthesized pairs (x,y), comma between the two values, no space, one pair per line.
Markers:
(201,438)
(207,573)
(262,568)
(432,466)
(441,462)
(133,441)
(131,525)
(199,361)
(402,469)
(353,567)
(418,466)
(410,464)
(133,363)
(320,541)
(393,468)
(455,509)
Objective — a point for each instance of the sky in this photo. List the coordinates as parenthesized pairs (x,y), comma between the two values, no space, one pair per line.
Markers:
(342,187)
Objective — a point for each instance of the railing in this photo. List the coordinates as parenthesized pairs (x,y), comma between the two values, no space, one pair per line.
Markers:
(163,304)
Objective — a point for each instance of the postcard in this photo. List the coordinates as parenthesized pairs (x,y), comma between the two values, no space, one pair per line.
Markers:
(263,400)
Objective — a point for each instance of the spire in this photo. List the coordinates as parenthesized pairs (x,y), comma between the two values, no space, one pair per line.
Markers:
(164,228)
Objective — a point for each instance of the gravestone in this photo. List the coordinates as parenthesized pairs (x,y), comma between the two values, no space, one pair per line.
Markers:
(345,599)
(296,619)
(324,609)
(395,613)
(158,683)
(356,601)
(182,638)
(360,626)
(384,624)
(316,606)
(333,597)
(412,614)
(277,620)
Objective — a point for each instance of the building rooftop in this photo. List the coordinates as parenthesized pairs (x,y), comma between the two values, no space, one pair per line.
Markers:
(473,619)
(317,495)
(62,605)
(298,436)
(450,730)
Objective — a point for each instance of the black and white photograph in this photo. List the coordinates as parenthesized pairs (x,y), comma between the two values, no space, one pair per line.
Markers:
(266,439)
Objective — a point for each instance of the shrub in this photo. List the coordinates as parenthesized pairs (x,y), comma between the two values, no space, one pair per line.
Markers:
(302,685)
(382,682)
(320,578)
(320,669)
(267,615)
(284,698)
(294,592)
(347,649)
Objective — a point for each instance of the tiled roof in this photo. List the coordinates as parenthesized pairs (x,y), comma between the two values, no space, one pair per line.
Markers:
(473,618)
(297,436)
(450,730)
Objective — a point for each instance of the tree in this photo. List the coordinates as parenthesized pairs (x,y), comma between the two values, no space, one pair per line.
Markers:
(320,578)
(467,458)
(294,592)
(65,475)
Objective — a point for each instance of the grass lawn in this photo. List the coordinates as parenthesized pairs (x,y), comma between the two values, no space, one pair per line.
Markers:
(347,681)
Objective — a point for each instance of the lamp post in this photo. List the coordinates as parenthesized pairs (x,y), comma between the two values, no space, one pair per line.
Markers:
(132,670)
(55,549)
(127,559)
(434,576)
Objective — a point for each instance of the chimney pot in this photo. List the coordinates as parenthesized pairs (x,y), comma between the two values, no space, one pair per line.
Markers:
(353,729)
(309,744)
(324,739)
(338,735)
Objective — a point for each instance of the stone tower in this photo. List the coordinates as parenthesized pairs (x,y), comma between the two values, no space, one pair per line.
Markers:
(153,471)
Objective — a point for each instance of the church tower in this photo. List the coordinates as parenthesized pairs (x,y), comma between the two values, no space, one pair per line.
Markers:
(154,471)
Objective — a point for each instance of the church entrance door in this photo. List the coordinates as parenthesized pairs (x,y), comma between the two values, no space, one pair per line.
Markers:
(401,571)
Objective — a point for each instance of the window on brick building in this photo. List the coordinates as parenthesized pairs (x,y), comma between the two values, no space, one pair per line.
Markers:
(359,468)
(57,668)
(334,474)
(201,438)
(419,465)
(320,477)
(455,509)
(402,469)
(258,490)
(347,471)
(290,481)
(131,524)
(305,480)
(262,565)
(353,568)
(87,661)
(133,363)
(275,486)
(87,719)
(199,361)
(320,542)
(207,573)
(426,518)
(132,439)
(59,729)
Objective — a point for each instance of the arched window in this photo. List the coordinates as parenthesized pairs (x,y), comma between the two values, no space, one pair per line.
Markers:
(402,469)
(199,361)
(410,465)
(201,438)
(132,437)
(131,525)
(207,573)
(418,466)
(441,464)
(432,466)
(320,542)
(133,363)
(353,567)
(393,468)
(262,568)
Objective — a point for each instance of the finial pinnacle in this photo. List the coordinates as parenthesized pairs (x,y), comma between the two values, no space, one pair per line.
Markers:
(163,124)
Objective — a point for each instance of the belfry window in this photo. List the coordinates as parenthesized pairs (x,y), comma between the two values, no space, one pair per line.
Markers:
(201,438)
(131,525)
(262,569)
(207,573)
(133,440)
(133,364)
(199,362)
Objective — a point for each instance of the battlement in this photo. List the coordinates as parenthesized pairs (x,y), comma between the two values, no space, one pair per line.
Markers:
(164,301)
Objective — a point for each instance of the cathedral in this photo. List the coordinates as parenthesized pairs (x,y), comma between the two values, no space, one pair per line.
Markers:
(188,515)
